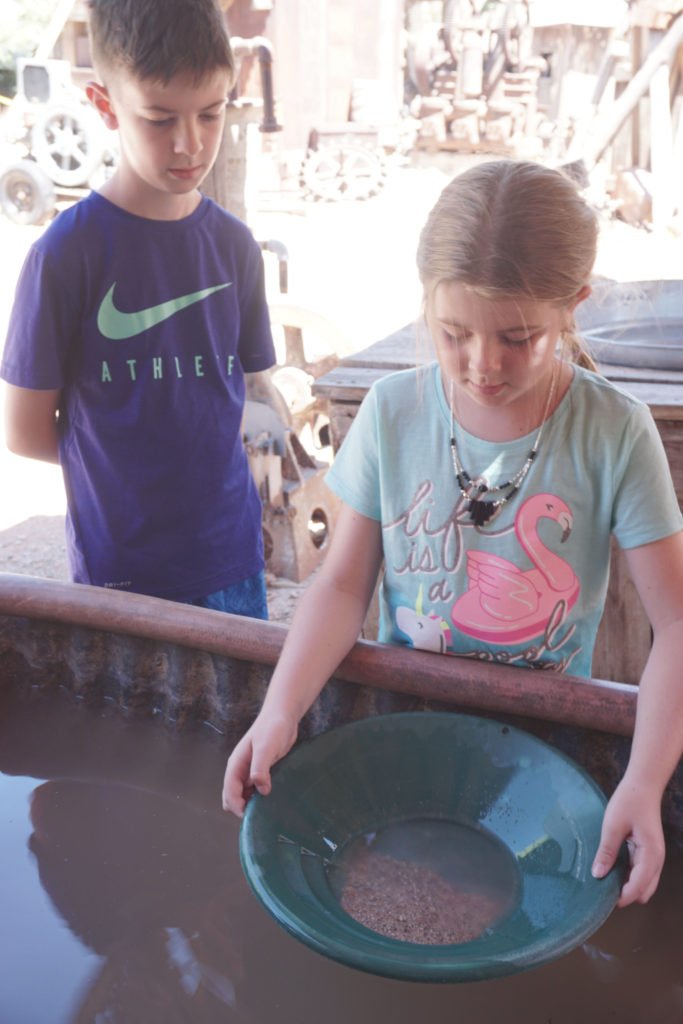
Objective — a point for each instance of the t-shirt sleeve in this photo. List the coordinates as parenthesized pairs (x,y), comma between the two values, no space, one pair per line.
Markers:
(256,349)
(42,324)
(354,475)
(646,507)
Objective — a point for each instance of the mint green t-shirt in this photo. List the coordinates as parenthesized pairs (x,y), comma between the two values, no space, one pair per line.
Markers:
(528,588)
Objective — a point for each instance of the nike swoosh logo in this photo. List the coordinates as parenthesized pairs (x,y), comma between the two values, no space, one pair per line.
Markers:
(116,325)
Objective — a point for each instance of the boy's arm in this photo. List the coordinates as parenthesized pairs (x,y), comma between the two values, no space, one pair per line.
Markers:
(31,423)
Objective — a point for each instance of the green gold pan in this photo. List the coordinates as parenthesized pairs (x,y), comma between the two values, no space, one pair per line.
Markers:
(475,793)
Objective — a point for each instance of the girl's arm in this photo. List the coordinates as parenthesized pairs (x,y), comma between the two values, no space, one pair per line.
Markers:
(634,811)
(31,423)
(327,623)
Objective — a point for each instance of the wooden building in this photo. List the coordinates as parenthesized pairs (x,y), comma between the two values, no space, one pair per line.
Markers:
(324,53)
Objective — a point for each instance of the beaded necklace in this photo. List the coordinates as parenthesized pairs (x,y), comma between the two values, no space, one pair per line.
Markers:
(480,511)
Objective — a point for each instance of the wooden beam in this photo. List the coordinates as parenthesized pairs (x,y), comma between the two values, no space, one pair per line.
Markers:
(608,126)
(54,30)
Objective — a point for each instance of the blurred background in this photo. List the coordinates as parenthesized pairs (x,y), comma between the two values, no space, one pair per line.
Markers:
(346,121)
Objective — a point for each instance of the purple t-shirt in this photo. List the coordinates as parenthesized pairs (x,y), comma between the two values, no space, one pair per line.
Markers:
(148,327)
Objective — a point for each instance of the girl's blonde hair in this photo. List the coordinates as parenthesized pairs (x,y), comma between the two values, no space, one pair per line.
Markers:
(507,229)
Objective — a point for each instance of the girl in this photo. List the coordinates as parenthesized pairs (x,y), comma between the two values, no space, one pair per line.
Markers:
(488,484)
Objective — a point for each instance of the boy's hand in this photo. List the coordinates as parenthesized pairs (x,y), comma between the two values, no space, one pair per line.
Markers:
(633,814)
(248,768)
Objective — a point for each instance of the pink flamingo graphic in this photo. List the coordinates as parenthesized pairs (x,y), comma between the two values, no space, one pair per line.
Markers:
(505,605)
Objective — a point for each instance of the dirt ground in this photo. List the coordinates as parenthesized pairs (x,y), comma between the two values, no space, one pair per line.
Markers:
(353,264)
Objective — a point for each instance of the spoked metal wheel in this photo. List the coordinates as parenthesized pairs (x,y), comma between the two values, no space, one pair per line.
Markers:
(347,171)
(27,196)
(67,143)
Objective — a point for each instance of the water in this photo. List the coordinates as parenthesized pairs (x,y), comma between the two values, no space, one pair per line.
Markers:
(122,902)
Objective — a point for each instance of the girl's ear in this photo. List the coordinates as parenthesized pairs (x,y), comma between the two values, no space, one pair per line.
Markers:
(580,297)
(99,97)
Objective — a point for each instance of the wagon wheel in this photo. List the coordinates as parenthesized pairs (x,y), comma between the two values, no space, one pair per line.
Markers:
(27,196)
(66,143)
(344,171)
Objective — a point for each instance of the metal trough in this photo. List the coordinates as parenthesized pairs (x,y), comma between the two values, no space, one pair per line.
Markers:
(636,323)
(148,656)
(125,901)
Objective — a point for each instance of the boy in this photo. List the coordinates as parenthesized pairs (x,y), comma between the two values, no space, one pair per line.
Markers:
(136,316)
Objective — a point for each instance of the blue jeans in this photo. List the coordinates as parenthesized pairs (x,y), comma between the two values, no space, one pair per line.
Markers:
(248,597)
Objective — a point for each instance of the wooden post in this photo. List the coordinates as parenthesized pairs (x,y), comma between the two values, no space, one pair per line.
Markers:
(606,129)
(637,50)
(227,181)
(661,149)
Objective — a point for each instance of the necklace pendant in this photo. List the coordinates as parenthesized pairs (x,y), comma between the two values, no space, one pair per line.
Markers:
(477,488)
(481,511)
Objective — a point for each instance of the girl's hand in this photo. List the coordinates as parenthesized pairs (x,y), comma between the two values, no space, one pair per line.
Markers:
(248,769)
(633,814)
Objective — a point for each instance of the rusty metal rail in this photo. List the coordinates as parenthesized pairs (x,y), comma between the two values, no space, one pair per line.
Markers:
(477,685)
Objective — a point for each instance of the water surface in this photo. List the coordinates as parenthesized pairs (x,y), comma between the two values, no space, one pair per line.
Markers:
(122,902)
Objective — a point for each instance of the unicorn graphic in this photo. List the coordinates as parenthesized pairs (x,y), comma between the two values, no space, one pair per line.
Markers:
(427,632)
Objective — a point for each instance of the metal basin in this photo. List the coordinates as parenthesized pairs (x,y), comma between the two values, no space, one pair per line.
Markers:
(635,323)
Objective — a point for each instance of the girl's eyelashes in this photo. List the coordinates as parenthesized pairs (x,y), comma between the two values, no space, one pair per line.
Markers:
(455,335)
(531,338)
(462,335)
(518,341)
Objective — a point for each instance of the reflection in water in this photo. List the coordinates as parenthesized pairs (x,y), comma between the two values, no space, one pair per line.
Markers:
(153,882)
(141,880)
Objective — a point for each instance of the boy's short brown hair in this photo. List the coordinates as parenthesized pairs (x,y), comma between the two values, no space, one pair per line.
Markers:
(158,39)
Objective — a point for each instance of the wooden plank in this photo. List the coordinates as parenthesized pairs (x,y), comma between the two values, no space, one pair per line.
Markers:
(350,384)
(672,436)
(398,351)
(347,383)
(624,637)
(640,373)
(411,346)
(665,400)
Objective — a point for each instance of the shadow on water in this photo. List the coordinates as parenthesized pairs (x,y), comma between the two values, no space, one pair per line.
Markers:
(127,840)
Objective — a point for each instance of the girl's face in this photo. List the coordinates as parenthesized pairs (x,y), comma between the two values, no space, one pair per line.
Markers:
(499,354)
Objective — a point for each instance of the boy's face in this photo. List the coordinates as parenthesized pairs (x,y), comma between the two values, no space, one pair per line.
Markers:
(169,136)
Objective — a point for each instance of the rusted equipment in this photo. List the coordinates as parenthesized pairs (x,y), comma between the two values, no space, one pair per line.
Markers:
(286,433)
(52,143)
(558,81)
(343,161)
(477,79)
(261,48)
(299,511)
